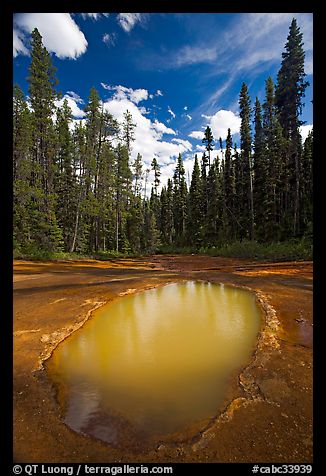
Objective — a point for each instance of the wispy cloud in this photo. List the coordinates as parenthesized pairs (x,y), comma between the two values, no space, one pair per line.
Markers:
(18,45)
(189,55)
(250,40)
(127,21)
(94,16)
(171,112)
(109,39)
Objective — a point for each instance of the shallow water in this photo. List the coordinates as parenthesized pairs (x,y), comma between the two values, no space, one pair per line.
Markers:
(156,362)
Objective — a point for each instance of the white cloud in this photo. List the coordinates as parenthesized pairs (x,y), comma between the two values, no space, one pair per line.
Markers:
(304,130)
(189,117)
(221,121)
(18,45)
(171,112)
(72,99)
(201,148)
(61,35)
(122,92)
(183,142)
(143,110)
(75,96)
(161,128)
(94,16)
(109,39)
(196,134)
(75,123)
(159,93)
(148,135)
(138,95)
(309,63)
(127,21)
(186,108)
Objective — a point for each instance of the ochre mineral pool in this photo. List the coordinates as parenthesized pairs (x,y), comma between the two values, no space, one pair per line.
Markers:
(154,363)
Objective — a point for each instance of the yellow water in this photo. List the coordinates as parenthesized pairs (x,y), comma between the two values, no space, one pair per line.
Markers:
(155,362)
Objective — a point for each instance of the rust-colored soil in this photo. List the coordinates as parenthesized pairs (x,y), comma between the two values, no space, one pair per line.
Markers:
(267,415)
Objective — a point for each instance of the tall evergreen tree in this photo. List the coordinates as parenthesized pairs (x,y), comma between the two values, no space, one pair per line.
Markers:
(138,174)
(128,130)
(216,202)
(42,94)
(307,186)
(208,141)
(245,139)
(123,191)
(290,90)
(276,177)
(259,171)
(229,188)
(22,171)
(64,180)
(179,201)
(195,207)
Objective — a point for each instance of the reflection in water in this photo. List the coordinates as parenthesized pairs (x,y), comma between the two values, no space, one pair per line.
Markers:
(154,362)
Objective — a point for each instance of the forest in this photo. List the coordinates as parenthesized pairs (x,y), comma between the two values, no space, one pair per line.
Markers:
(76,191)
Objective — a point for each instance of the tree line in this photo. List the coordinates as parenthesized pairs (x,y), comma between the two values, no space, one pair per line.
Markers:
(76,190)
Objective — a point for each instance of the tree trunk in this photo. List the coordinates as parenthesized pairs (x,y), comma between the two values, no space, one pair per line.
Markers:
(73,244)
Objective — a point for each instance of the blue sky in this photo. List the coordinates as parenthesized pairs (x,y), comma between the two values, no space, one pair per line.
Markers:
(176,73)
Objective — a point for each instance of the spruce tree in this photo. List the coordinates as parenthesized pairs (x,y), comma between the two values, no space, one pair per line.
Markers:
(179,201)
(208,141)
(195,213)
(214,217)
(42,94)
(22,171)
(276,183)
(229,188)
(128,130)
(64,180)
(290,91)
(138,174)
(307,186)
(259,171)
(245,144)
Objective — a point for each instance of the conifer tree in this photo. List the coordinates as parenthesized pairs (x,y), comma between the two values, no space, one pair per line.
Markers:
(307,186)
(290,91)
(22,171)
(42,94)
(179,201)
(64,180)
(128,130)
(245,139)
(277,184)
(228,188)
(214,217)
(259,171)
(138,174)
(195,204)
(122,191)
(208,141)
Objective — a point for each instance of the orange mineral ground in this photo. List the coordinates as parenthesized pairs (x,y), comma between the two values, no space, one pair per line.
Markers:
(267,412)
